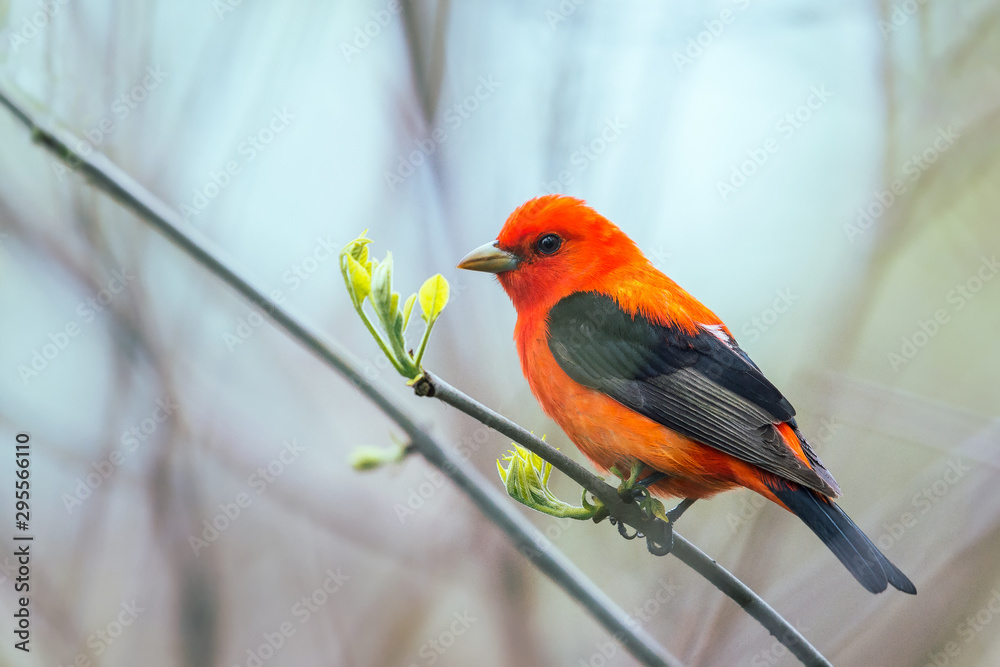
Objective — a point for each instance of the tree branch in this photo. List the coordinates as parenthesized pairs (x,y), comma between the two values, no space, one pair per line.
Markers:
(106,176)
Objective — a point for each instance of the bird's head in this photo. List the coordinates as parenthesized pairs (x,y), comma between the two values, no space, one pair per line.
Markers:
(550,247)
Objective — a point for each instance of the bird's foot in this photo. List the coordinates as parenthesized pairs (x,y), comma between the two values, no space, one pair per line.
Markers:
(628,483)
(659,543)
(633,489)
(662,543)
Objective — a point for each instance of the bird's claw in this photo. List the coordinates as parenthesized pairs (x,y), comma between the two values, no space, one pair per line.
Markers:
(661,545)
(633,489)
(623,529)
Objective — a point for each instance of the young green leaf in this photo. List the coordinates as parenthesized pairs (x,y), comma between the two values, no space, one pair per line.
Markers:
(358,248)
(381,296)
(407,309)
(367,457)
(362,254)
(433,297)
(360,281)
(397,330)
(527,481)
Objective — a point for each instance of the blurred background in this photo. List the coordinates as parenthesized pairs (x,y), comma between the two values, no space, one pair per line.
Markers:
(822,175)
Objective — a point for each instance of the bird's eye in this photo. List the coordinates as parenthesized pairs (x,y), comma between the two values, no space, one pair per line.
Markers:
(549,243)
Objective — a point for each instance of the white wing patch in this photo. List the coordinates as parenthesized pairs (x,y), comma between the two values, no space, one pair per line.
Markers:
(717,331)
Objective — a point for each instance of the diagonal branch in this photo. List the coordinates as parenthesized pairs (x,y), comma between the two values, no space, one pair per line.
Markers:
(106,176)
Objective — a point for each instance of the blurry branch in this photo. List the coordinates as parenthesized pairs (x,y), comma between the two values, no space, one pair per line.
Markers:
(106,176)
(426,60)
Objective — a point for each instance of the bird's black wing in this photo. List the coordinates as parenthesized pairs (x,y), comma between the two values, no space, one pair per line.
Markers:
(703,386)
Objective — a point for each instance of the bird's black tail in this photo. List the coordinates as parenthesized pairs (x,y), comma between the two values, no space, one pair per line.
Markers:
(868,565)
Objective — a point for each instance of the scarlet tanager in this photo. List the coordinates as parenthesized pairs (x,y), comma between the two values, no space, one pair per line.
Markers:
(635,369)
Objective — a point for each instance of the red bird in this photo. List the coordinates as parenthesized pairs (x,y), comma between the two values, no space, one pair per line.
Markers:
(635,369)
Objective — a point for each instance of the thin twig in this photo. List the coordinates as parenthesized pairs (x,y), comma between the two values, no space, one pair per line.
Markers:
(106,176)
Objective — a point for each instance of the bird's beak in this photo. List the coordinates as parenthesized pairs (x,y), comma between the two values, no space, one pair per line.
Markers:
(489,258)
